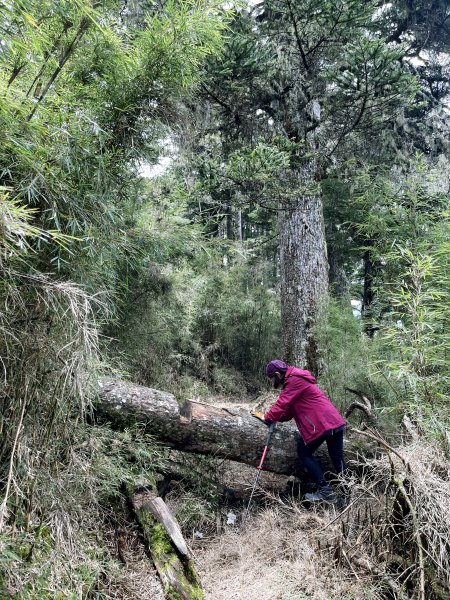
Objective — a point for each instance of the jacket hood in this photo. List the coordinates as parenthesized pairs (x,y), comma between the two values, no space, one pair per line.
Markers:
(305,374)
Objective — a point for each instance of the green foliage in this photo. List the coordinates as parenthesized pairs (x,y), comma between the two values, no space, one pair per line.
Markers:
(72,154)
(401,221)
(197,497)
(200,325)
(263,162)
(17,234)
(84,97)
(111,459)
(202,310)
(62,553)
(418,330)
(398,207)
(367,71)
(348,362)
(238,317)
(154,335)
(343,349)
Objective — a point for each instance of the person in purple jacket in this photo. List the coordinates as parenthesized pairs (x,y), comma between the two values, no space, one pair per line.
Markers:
(317,420)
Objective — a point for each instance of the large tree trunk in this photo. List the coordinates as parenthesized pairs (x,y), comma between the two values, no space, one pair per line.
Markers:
(369,294)
(202,428)
(337,278)
(304,269)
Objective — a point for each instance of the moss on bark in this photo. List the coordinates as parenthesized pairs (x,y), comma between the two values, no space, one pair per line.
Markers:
(178,573)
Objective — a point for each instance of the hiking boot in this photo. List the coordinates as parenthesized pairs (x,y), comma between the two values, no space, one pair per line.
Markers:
(324,494)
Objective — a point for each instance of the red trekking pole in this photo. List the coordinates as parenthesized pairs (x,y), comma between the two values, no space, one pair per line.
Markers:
(259,468)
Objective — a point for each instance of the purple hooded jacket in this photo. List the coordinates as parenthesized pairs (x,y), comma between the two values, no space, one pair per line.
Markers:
(304,401)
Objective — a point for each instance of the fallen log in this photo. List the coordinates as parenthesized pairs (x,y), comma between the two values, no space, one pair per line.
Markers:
(205,429)
(167,546)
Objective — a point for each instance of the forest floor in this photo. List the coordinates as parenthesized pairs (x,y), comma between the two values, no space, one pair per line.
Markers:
(283,550)
(287,550)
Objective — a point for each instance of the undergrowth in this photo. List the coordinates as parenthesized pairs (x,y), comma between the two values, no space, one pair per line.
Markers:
(391,541)
(59,549)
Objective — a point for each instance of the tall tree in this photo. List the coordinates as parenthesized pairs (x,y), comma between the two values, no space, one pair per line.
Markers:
(329,74)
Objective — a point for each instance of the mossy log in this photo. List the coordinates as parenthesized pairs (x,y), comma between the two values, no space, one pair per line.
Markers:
(205,429)
(167,547)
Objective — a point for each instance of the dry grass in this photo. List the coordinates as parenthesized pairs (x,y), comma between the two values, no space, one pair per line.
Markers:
(48,342)
(135,578)
(423,474)
(367,550)
(277,557)
(139,582)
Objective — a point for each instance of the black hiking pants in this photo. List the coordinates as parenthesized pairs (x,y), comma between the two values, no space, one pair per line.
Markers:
(335,445)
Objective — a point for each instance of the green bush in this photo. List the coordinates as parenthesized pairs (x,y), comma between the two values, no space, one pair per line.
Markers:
(348,361)
(238,319)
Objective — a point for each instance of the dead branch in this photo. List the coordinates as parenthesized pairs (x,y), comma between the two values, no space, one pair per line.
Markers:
(365,406)
(377,438)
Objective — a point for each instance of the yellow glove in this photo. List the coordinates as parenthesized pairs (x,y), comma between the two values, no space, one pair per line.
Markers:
(258,415)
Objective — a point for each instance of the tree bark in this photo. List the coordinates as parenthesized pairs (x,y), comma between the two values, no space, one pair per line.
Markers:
(238,227)
(337,278)
(202,428)
(304,270)
(369,297)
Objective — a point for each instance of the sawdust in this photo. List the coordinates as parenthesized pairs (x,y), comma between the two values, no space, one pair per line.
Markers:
(246,405)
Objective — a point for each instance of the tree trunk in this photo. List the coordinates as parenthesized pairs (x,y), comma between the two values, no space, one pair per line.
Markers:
(304,270)
(370,276)
(203,429)
(239,233)
(337,278)
(167,547)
